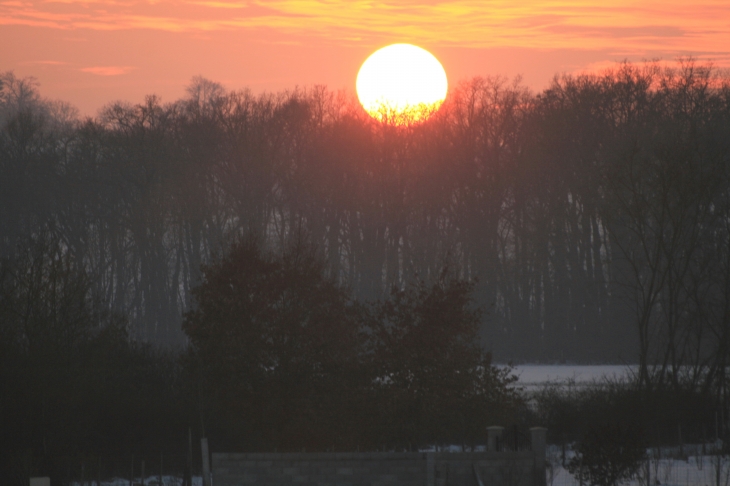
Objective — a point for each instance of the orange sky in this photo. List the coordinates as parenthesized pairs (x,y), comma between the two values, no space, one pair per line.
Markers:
(91,52)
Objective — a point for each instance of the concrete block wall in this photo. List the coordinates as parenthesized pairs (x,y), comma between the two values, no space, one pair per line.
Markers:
(489,468)
(352,469)
(376,469)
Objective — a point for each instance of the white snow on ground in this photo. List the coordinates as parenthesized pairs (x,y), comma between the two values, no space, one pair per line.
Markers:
(532,376)
(149,481)
(669,469)
(693,470)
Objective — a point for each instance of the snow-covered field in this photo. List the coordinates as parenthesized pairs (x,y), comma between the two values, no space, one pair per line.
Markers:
(665,469)
(533,376)
(694,470)
(150,481)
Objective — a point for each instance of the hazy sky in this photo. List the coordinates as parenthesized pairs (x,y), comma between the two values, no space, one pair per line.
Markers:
(91,52)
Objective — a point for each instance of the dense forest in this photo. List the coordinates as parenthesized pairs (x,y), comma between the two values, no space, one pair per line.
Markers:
(594,214)
(164,266)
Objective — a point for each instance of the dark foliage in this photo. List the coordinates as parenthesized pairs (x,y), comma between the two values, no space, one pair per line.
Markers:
(72,385)
(610,424)
(433,381)
(593,215)
(291,362)
(274,343)
(608,455)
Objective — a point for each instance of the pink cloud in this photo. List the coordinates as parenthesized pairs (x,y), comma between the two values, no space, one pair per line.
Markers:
(639,26)
(108,70)
(44,63)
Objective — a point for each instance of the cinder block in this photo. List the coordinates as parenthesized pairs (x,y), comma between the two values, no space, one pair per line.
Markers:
(363,469)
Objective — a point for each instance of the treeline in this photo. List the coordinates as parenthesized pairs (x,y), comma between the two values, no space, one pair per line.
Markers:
(281,358)
(594,213)
(77,397)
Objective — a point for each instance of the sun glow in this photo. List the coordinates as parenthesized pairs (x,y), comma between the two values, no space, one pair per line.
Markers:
(401,83)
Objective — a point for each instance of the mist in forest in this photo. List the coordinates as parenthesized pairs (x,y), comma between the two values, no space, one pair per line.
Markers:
(593,217)
(281,272)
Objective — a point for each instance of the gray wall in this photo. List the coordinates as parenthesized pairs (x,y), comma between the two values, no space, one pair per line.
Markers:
(378,468)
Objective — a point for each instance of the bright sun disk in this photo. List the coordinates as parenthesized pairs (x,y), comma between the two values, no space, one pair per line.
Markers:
(401,83)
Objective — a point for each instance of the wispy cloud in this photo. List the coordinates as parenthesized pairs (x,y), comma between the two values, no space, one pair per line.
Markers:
(108,70)
(44,63)
(671,26)
(214,4)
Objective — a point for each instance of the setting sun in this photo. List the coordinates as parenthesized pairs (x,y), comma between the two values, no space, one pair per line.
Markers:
(401,83)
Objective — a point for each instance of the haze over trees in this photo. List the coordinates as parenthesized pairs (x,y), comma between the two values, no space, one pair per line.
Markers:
(72,385)
(590,222)
(592,213)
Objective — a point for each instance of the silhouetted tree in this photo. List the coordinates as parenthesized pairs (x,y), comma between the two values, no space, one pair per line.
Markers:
(608,455)
(275,342)
(528,192)
(433,378)
(71,383)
